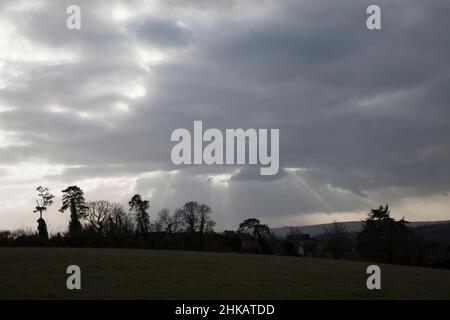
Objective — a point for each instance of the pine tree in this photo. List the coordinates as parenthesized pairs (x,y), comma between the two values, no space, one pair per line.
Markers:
(140,207)
(73,198)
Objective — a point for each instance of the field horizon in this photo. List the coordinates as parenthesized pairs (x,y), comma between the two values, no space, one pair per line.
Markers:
(162,274)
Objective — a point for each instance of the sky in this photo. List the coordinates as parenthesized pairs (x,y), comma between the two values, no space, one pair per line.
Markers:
(364,115)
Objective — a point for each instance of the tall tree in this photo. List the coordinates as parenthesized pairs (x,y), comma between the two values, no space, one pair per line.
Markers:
(45,200)
(73,199)
(169,223)
(383,238)
(205,221)
(177,220)
(98,213)
(260,231)
(196,217)
(140,207)
(119,222)
(189,214)
(165,221)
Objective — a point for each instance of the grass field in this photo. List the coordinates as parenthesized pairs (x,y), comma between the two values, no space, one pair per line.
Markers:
(40,273)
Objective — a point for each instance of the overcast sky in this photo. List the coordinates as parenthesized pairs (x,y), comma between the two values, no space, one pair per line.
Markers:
(364,116)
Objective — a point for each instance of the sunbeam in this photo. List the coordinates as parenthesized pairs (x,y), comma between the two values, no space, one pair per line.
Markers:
(303,185)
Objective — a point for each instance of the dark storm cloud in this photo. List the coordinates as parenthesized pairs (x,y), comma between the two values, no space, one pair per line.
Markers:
(360,107)
(360,110)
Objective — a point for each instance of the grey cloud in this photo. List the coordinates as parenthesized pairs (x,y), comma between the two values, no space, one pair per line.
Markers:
(158,32)
(253,173)
(360,110)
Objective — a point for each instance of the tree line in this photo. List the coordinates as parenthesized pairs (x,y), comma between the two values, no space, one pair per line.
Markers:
(107,218)
(385,239)
(105,223)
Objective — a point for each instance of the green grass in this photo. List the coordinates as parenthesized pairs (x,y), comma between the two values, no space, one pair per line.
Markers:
(39,273)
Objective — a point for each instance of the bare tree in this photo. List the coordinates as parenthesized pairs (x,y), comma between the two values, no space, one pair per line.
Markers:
(165,220)
(169,223)
(210,224)
(178,223)
(119,222)
(98,213)
(205,221)
(196,217)
(189,214)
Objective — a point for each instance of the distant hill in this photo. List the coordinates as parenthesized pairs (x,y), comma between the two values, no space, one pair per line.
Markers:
(352,226)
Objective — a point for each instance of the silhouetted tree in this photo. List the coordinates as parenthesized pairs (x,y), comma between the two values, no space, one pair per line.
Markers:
(45,200)
(119,222)
(255,227)
(73,199)
(177,220)
(260,231)
(140,207)
(337,239)
(293,242)
(189,215)
(382,237)
(164,221)
(98,213)
(169,223)
(196,217)
(205,221)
